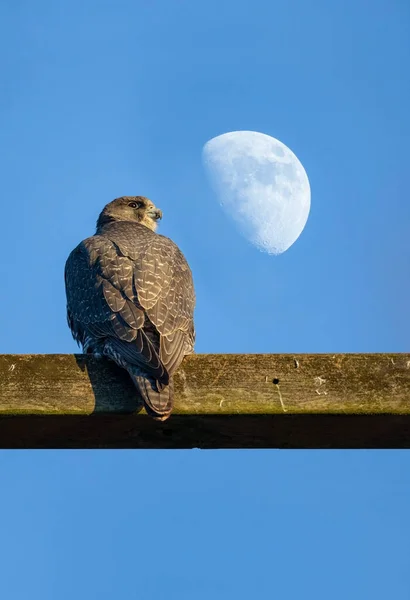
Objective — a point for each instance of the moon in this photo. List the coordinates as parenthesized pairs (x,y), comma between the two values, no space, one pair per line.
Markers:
(262,185)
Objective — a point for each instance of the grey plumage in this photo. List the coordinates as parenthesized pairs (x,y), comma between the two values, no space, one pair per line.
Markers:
(130,297)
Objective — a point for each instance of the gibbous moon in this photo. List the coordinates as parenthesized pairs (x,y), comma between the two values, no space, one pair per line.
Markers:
(262,185)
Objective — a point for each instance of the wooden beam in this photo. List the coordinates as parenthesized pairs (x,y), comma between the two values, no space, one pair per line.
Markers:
(221,401)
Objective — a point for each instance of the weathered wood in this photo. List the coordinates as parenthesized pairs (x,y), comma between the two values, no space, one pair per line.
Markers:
(222,401)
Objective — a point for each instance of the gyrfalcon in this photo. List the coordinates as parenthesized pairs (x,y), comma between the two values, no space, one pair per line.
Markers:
(131,298)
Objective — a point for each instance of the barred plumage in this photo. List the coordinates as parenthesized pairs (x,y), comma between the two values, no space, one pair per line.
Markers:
(130,297)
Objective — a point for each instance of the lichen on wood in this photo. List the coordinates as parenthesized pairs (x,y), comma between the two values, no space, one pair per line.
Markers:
(260,400)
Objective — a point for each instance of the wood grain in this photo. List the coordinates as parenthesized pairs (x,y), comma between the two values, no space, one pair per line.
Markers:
(221,401)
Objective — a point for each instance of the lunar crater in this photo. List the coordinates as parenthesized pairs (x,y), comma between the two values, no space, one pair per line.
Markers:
(262,185)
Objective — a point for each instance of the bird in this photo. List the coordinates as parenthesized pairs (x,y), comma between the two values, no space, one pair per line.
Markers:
(131,298)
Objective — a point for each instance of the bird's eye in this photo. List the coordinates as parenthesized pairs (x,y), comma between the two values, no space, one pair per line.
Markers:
(135,204)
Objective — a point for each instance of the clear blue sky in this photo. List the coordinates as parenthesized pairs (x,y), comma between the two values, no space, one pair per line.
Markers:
(104,98)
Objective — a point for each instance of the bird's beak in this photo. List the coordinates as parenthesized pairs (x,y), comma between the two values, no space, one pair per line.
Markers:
(155,213)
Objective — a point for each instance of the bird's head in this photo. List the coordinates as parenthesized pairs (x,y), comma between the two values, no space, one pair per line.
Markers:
(130,208)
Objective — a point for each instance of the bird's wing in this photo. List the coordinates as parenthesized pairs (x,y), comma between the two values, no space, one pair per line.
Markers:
(164,286)
(102,302)
(172,314)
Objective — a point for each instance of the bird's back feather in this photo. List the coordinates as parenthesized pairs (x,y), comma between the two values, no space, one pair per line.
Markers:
(130,296)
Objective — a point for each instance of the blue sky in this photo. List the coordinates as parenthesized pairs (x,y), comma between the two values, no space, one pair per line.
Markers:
(101,99)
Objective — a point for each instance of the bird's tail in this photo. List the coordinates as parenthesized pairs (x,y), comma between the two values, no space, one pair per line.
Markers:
(158,399)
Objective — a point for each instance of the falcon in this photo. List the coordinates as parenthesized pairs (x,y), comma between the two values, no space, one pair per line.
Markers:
(131,298)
